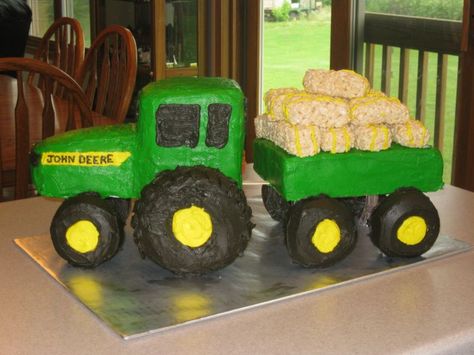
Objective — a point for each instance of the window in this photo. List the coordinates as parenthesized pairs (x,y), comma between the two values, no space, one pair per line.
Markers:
(79,10)
(295,39)
(177,125)
(218,125)
(181,33)
(42,16)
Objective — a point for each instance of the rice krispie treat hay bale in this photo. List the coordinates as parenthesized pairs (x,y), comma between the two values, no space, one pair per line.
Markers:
(341,83)
(273,99)
(302,141)
(411,134)
(308,109)
(337,140)
(377,110)
(373,138)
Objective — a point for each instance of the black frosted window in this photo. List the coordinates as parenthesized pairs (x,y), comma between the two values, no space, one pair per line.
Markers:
(177,125)
(218,125)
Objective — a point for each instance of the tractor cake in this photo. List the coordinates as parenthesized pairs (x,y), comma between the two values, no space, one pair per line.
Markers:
(331,153)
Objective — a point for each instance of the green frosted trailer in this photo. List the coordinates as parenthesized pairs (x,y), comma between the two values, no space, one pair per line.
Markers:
(318,197)
(182,160)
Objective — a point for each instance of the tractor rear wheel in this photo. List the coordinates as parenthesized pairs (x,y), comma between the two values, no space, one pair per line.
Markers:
(121,207)
(86,231)
(192,220)
(320,232)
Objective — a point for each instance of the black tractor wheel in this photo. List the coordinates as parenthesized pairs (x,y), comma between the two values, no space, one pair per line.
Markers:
(320,232)
(274,203)
(192,220)
(121,207)
(405,224)
(86,231)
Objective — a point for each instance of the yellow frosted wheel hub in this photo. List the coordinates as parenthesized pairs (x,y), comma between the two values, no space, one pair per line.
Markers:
(192,226)
(412,231)
(82,236)
(327,236)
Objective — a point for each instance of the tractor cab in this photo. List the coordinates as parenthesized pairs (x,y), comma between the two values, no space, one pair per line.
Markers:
(198,122)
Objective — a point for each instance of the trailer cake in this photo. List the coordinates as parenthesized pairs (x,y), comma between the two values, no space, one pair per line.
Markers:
(323,163)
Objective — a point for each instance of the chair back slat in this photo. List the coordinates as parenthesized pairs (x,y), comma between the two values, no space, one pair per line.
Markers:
(108,73)
(70,51)
(103,87)
(71,124)
(63,45)
(112,103)
(90,81)
(22,135)
(57,48)
(48,110)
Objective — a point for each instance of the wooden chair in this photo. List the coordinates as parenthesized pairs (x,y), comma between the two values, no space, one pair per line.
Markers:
(28,115)
(63,46)
(108,73)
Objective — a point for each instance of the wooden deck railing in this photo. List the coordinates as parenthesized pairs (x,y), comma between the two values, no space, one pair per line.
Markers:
(423,35)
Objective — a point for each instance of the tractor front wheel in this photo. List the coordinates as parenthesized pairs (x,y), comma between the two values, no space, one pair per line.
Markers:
(86,231)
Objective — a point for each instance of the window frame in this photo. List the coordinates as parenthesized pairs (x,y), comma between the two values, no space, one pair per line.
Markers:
(34,41)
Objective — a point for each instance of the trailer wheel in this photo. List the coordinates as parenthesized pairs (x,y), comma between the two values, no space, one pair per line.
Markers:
(192,220)
(320,232)
(85,231)
(405,224)
(274,203)
(355,204)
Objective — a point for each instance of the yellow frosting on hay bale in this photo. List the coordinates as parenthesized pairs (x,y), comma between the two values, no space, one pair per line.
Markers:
(298,140)
(337,140)
(375,93)
(411,134)
(377,109)
(341,83)
(273,99)
(372,137)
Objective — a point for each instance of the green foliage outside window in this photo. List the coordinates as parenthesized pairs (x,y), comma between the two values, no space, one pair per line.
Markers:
(282,13)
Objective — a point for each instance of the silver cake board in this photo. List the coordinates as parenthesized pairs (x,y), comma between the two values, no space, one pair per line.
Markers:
(135,297)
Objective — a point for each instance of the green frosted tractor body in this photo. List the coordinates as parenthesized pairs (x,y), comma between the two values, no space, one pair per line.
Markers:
(184,155)
(178,125)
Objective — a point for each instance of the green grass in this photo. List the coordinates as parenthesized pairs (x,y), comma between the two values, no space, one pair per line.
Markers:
(289,48)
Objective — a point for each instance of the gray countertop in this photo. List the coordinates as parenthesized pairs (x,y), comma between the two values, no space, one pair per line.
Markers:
(426,308)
